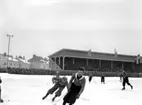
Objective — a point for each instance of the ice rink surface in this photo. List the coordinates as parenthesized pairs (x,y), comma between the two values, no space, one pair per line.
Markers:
(29,90)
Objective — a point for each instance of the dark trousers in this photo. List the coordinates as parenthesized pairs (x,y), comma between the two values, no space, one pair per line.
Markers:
(70,97)
(126,81)
(57,87)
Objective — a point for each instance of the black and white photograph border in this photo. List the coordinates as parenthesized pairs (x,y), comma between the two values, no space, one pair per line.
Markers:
(75,52)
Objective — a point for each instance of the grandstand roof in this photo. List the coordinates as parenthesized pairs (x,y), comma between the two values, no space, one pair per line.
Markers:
(94,55)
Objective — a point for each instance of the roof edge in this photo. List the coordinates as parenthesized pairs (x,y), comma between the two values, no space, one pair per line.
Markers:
(87,51)
(56,52)
(99,52)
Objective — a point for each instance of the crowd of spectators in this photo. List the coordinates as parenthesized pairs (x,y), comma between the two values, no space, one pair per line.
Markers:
(95,72)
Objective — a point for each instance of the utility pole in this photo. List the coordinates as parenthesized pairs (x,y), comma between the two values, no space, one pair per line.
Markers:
(9,36)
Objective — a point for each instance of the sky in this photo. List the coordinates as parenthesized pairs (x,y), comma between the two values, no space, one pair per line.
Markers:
(43,27)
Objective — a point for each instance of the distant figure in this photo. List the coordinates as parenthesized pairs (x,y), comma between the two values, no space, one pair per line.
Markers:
(126,80)
(60,84)
(76,87)
(1,100)
(102,79)
(90,77)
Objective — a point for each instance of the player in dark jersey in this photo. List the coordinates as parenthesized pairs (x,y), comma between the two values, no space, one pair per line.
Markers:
(102,79)
(76,87)
(60,84)
(90,77)
(126,80)
(1,100)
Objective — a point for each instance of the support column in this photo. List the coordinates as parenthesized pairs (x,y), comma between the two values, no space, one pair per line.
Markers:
(133,66)
(59,61)
(56,63)
(122,65)
(63,63)
(100,63)
(86,61)
(50,63)
(73,61)
(111,64)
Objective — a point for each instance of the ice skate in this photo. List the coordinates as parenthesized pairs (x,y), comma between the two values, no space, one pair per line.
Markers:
(53,99)
(43,98)
(1,101)
(131,87)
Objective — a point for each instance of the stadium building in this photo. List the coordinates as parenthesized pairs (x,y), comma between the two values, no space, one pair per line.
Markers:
(70,59)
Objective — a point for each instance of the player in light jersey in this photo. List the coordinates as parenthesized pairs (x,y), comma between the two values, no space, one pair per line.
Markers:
(60,84)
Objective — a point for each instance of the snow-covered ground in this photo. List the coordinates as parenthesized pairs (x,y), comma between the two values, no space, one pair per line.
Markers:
(29,90)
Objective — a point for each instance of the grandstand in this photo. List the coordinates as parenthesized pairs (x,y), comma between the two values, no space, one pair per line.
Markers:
(71,59)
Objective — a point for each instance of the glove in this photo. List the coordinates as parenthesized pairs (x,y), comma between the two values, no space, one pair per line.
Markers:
(77,96)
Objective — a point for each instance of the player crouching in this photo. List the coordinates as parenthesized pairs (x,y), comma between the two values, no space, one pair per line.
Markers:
(60,84)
